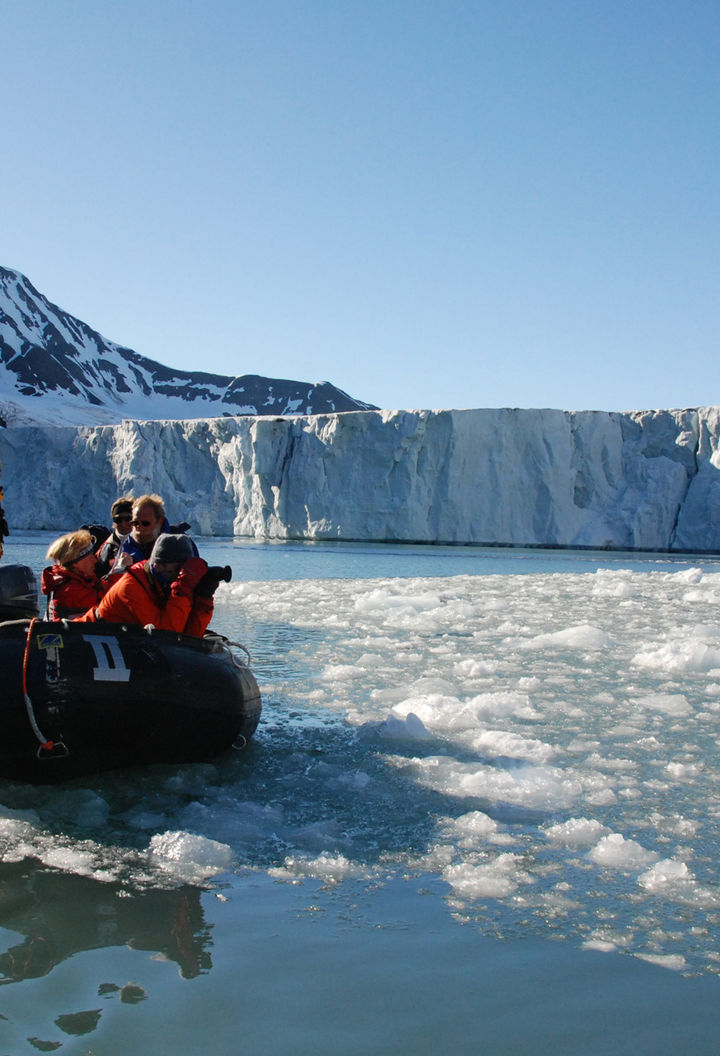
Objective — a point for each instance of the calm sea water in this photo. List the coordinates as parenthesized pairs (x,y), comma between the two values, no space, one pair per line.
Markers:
(480,815)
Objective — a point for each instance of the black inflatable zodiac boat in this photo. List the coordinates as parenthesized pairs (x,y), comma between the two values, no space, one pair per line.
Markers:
(78,698)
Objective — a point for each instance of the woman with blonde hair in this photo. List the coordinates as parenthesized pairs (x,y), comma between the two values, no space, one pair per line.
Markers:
(71,584)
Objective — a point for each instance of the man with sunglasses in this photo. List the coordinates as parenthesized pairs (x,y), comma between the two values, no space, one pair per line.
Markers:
(121,513)
(148,522)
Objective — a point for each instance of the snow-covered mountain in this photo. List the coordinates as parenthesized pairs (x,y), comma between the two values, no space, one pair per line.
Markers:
(56,370)
(647,480)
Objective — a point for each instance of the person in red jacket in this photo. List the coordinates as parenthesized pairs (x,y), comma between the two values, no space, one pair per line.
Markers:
(165,591)
(71,583)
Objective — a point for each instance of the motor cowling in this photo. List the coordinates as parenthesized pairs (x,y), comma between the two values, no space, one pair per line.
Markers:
(18,593)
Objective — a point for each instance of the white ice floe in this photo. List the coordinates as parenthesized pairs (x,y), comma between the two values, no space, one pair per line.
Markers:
(577,833)
(615,852)
(326,867)
(672,704)
(494,879)
(541,787)
(190,857)
(671,879)
(583,637)
(674,961)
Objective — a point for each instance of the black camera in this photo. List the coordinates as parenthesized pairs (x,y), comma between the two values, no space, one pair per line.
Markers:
(215,575)
(222,573)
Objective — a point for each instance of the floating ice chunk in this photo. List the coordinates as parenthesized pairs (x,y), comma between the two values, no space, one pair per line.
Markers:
(384,600)
(503,704)
(330,868)
(232,820)
(609,584)
(688,575)
(674,961)
(543,787)
(23,836)
(576,832)
(529,682)
(448,713)
(495,879)
(16,823)
(318,835)
(190,857)
(663,872)
(706,631)
(674,825)
(671,879)
(615,852)
(433,709)
(340,673)
(601,945)
(688,656)
(674,704)
(370,661)
(475,668)
(69,859)
(682,771)
(470,833)
(409,728)
(602,762)
(495,743)
(583,637)
(474,824)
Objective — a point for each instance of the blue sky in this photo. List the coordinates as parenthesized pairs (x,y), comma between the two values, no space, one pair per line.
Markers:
(430,204)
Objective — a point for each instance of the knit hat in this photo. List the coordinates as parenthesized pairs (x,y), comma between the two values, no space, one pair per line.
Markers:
(171,548)
(121,506)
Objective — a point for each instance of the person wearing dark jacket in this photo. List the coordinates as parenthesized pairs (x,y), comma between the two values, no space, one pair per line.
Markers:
(4,530)
(71,584)
(121,513)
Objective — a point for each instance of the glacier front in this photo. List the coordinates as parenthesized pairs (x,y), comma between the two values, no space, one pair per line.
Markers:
(647,480)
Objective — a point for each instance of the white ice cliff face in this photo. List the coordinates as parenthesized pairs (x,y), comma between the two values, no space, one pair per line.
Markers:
(645,480)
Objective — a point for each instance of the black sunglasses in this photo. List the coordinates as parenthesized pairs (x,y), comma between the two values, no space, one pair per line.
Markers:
(123,517)
(145,524)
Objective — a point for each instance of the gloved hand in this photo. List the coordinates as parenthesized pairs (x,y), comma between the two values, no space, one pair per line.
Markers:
(210,581)
(188,577)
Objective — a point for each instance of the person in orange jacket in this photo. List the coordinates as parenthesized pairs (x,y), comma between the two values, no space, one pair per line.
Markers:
(166,591)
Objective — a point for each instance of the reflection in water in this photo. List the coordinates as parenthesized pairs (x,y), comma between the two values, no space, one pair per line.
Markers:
(61,914)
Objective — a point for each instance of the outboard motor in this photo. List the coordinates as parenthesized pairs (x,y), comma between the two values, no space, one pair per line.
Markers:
(18,593)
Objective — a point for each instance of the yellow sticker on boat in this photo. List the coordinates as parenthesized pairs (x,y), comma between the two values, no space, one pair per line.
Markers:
(49,641)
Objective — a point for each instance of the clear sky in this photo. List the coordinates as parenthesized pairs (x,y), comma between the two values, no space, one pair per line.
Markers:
(430,203)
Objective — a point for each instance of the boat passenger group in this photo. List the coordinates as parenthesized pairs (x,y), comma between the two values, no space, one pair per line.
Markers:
(144,571)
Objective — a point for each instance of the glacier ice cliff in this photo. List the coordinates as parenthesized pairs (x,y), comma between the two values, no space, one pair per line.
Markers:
(646,480)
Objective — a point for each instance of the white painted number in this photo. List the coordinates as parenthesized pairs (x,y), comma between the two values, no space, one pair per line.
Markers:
(109,659)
